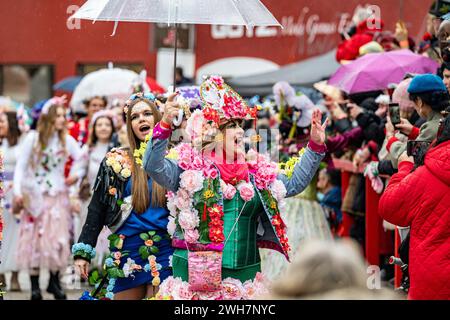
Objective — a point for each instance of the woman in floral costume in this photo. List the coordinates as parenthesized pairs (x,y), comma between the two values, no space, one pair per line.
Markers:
(133,206)
(42,194)
(222,205)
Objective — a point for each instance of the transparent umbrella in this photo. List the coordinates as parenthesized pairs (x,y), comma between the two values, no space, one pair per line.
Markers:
(110,82)
(173,12)
(223,12)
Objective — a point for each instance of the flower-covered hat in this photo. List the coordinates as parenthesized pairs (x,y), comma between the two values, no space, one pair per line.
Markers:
(222,103)
(219,104)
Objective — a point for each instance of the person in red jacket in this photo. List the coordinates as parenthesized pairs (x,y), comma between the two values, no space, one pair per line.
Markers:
(421,200)
(80,129)
(349,49)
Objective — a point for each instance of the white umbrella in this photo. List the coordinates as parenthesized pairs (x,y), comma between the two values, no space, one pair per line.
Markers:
(173,12)
(112,83)
(223,12)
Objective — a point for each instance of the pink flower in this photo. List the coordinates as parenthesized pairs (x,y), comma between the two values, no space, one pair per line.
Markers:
(183,165)
(246,191)
(210,172)
(185,155)
(172,208)
(192,181)
(228,190)
(191,236)
(170,195)
(183,199)
(117,255)
(278,190)
(217,80)
(197,163)
(184,293)
(255,289)
(171,226)
(194,126)
(214,295)
(232,289)
(188,219)
(259,277)
(166,288)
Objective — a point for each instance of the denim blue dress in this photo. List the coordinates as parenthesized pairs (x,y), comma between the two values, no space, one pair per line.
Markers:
(153,219)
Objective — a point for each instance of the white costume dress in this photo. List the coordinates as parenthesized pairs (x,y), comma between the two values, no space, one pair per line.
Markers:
(45,222)
(305,220)
(10,222)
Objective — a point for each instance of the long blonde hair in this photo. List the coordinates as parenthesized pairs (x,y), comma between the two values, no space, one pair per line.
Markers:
(140,192)
(46,128)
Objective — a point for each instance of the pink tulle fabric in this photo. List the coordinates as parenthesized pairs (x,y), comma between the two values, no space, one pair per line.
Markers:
(44,240)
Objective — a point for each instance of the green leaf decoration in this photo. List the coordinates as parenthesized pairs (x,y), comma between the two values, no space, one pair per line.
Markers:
(198,197)
(116,243)
(113,273)
(144,252)
(156,238)
(204,232)
(113,237)
(154,250)
(145,255)
(152,233)
(93,278)
(144,236)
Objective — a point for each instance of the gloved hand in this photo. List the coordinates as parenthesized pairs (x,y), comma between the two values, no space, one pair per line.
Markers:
(371,171)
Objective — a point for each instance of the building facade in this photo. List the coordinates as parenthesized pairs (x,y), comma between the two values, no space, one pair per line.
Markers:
(39,47)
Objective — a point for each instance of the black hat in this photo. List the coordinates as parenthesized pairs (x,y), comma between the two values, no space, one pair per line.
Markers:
(440,8)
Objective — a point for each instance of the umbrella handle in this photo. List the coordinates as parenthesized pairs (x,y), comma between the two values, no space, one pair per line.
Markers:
(177,121)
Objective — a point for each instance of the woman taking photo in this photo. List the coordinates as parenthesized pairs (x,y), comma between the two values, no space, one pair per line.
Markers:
(420,199)
(9,142)
(133,206)
(430,97)
(41,191)
(223,206)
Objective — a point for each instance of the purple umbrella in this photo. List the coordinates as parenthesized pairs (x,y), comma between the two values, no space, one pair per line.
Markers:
(375,71)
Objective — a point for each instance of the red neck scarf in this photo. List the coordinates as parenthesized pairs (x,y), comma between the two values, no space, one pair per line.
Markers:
(231,173)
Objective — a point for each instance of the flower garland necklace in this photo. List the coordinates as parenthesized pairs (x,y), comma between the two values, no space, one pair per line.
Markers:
(139,153)
(119,161)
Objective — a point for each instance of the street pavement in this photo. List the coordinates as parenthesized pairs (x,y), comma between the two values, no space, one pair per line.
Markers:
(69,281)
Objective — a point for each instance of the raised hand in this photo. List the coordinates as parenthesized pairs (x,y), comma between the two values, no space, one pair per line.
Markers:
(171,108)
(317,128)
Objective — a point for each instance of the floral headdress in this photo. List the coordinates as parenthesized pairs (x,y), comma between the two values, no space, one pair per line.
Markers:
(139,95)
(59,101)
(220,103)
